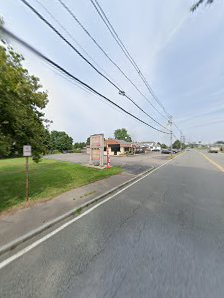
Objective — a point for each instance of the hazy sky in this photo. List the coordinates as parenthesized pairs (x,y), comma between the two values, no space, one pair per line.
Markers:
(181,54)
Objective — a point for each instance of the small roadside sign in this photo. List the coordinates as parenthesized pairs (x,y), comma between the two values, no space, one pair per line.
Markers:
(27,151)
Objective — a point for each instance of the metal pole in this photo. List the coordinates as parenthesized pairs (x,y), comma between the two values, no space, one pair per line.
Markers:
(171,136)
(27,179)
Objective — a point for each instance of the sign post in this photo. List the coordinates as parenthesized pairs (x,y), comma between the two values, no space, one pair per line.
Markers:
(97,150)
(27,179)
(27,153)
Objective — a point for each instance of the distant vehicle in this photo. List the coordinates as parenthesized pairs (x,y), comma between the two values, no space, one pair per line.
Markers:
(155,149)
(140,150)
(165,151)
(213,150)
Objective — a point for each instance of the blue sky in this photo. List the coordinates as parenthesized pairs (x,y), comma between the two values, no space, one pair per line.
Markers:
(180,54)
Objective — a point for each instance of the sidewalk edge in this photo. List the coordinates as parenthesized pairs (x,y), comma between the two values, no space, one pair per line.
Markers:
(11,245)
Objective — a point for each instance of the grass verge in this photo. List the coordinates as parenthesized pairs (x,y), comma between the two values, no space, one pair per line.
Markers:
(47,179)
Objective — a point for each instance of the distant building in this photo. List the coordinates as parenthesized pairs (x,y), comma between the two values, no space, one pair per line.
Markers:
(119,147)
(151,146)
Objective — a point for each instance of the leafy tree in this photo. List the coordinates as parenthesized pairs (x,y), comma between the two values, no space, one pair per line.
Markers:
(164,146)
(80,145)
(122,134)
(177,144)
(199,2)
(21,104)
(88,141)
(219,142)
(59,140)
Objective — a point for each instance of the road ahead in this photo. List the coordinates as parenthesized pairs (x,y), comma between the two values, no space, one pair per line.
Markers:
(162,237)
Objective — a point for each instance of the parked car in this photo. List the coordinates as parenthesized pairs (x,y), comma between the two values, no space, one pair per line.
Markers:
(176,151)
(213,150)
(165,151)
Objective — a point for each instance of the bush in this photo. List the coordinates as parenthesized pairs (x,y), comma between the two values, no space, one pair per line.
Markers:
(55,152)
(76,151)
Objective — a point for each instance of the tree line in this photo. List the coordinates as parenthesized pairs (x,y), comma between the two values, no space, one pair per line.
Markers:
(22,120)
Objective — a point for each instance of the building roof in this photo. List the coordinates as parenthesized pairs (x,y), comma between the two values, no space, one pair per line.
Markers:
(121,142)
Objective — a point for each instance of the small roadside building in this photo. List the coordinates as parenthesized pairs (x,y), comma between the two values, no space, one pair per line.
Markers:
(119,147)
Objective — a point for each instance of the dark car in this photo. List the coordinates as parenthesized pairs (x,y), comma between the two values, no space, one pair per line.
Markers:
(165,151)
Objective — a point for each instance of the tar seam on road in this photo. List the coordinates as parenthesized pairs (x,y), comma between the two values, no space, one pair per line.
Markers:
(213,162)
(36,243)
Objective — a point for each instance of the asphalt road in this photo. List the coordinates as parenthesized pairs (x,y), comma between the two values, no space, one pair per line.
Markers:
(217,157)
(162,237)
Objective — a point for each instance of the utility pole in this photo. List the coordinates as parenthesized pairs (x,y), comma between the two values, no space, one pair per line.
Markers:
(181,141)
(171,135)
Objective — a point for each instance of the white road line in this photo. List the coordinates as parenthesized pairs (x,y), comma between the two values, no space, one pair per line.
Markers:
(36,243)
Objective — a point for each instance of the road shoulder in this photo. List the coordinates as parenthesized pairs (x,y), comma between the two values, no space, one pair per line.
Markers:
(23,224)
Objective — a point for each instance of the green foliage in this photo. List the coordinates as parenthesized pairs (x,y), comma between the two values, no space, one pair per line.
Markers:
(21,104)
(47,179)
(88,141)
(76,151)
(164,146)
(80,145)
(122,134)
(177,144)
(59,140)
(199,2)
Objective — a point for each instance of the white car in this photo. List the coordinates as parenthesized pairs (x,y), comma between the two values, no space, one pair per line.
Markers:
(213,150)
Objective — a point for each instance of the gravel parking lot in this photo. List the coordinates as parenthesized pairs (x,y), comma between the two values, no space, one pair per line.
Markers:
(132,164)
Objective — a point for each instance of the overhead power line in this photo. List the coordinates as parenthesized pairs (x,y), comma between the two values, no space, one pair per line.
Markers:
(110,27)
(86,60)
(107,55)
(114,34)
(73,39)
(69,44)
(178,128)
(74,78)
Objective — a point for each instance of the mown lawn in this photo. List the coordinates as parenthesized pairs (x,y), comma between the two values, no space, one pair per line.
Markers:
(47,179)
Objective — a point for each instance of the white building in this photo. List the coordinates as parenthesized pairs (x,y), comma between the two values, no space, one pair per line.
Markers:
(151,146)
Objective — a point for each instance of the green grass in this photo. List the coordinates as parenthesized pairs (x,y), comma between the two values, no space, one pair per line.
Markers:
(47,179)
